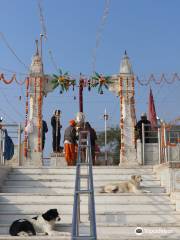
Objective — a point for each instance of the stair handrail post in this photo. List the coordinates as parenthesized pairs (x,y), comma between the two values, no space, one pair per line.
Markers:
(19,145)
(84,143)
(92,203)
(159,144)
(75,206)
(143,144)
(165,142)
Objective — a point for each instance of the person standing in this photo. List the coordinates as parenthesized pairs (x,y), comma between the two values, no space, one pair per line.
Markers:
(56,134)
(70,143)
(44,131)
(147,128)
(93,138)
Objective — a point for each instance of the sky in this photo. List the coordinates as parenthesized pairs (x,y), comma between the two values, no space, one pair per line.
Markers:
(148,30)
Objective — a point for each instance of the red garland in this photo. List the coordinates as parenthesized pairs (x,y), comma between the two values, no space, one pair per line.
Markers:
(40,116)
(7,81)
(25,132)
(35,89)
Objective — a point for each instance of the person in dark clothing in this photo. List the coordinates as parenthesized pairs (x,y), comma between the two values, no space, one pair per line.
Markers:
(147,128)
(93,138)
(70,143)
(56,134)
(44,131)
(1,119)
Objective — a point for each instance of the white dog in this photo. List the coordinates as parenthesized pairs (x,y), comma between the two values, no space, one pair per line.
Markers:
(40,224)
(131,186)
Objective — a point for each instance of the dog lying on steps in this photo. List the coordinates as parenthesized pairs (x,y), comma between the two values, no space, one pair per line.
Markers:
(131,186)
(40,224)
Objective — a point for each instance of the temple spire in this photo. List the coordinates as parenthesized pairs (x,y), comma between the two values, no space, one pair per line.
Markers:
(36,65)
(125,66)
(37,48)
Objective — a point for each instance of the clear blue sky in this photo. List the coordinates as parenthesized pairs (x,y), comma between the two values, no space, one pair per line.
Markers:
(149,31)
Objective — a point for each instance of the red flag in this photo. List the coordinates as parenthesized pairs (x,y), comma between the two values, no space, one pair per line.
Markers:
(152,110)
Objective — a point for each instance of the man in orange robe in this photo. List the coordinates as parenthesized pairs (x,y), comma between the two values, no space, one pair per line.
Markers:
(70,143)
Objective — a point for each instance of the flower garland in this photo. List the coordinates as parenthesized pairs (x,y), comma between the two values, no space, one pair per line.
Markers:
(64,81)
(127,91)
(39,123)
(100,81)
(35,86)
(152,78)
(7,81)
(13,78)
(122,118)
(26,117)
(133,109)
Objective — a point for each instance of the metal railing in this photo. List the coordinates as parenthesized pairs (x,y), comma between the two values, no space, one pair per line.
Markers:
(14,131)
(84,171)
(167,140)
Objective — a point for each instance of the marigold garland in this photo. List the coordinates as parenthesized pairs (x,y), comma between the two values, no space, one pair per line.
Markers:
(35,87)
(11,80)
(39,123)
(64,81)
(100,81)
(122,117)
(26,117)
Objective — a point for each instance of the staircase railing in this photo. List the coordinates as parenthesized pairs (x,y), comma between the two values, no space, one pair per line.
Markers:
(84,171)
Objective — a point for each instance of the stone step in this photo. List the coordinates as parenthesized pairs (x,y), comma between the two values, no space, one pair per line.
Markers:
(7,237)
(117,231)
(44,190)
(71,177)
(127,218)
(99,198)
(67,208)
(72,170)
(122,237)
(67,183)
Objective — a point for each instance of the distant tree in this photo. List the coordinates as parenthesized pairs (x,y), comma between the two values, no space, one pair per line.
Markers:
(113,142)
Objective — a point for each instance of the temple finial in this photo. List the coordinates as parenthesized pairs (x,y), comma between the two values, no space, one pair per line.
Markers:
(125,66)
(37,48)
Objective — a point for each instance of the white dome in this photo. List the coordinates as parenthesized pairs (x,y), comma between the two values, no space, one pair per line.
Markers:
(125,66)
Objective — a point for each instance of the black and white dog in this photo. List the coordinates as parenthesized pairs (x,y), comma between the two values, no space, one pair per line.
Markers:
(40,224)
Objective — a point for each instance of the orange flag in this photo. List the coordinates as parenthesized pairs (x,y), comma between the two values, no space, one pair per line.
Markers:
(152,110)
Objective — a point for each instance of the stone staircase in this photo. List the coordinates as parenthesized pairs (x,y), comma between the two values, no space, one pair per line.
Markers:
(30,191)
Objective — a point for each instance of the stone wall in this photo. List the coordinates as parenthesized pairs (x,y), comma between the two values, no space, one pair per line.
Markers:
(169,176)
(151,153)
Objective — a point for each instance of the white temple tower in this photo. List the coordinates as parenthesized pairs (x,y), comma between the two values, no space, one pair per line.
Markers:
(39,85)
(34,142)
(128,118)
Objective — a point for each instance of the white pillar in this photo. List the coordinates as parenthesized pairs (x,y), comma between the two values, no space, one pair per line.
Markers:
(123,86)
(128,118)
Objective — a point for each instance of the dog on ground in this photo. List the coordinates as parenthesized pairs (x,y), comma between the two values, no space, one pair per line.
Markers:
(131,186)
(40,224)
